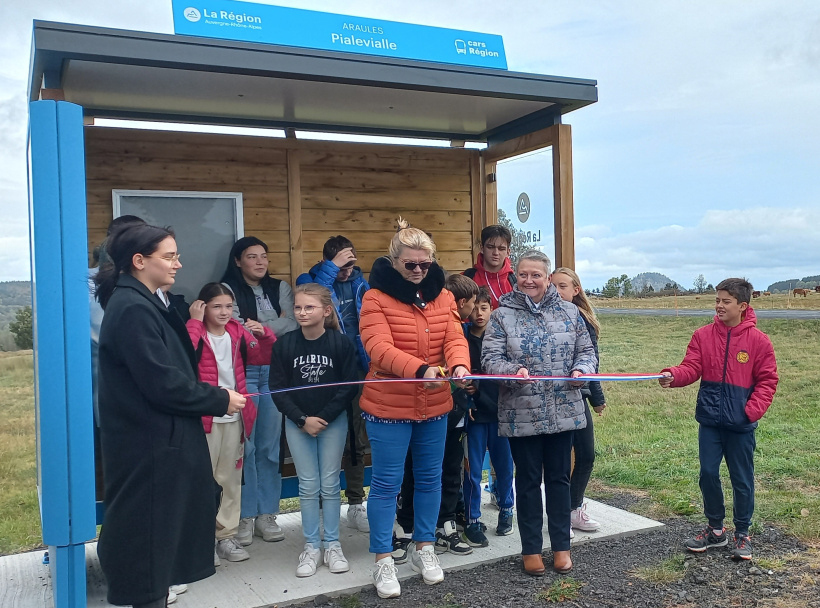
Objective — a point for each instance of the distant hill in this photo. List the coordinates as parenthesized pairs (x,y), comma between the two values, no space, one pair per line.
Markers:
(657,280)
(13,296)
(805,282)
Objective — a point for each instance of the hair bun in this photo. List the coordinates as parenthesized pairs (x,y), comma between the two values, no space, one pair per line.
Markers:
(402,224)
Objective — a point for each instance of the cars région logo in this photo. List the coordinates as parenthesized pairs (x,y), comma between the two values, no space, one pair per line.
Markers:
(192,14)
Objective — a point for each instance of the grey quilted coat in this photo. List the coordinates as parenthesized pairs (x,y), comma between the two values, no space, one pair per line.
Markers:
(548,339)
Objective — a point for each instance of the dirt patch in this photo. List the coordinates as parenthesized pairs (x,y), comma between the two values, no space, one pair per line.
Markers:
(649,570)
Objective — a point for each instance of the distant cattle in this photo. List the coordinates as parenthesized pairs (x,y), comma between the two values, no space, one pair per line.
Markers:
(817,288)
(767,293)
(800,292)
(755,294)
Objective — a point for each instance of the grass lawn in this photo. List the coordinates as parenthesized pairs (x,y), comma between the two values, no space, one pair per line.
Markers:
(780,301)
(646,439)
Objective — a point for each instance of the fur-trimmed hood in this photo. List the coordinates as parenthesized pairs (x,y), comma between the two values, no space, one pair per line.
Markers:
(387,279)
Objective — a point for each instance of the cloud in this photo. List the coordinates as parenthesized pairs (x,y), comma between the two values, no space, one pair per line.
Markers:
(763,244)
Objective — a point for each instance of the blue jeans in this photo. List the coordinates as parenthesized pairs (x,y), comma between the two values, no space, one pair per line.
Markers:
(738,449)
(480,437)
(389,443)
(318,462)
(263,480)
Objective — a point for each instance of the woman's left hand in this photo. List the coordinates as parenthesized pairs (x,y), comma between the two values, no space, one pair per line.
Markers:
(459,371)
(575,373)
(599,409)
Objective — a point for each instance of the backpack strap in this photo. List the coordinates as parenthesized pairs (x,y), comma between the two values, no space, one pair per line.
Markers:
(199,347)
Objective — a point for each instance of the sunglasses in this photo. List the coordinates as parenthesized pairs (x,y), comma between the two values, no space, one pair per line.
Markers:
(422,265)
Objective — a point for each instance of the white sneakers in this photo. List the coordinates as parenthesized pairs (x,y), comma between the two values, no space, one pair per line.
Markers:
(173,592)
(581,521)
(357,518)
(244,535)
(425,561)
(335,560)
(266,527)
(311,557)
(229,549)
(308,561)
(385,578)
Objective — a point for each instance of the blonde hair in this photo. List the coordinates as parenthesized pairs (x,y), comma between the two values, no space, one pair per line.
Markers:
(580,299)
(412,238)
(321,293)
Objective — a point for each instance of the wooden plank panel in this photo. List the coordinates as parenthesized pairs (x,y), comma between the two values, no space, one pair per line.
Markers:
(186,150)
(364,179)
(372,220)
(314,240)
(278,241)
(563,197)
(141,171)
(385,159)
(476,204)
(295,213)
(98,195)
(490,194)
(400,200)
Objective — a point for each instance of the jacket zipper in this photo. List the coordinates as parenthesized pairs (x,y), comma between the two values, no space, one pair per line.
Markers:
(723,379)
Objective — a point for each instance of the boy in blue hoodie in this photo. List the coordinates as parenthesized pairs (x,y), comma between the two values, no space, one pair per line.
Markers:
(338,272)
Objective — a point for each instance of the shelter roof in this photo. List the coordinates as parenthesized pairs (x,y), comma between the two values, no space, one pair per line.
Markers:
(125,74)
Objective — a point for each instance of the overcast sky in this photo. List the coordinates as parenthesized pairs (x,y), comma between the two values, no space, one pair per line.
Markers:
(701,155)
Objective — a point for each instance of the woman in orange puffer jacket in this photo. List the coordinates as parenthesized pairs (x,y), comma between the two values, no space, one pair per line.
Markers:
(410,328)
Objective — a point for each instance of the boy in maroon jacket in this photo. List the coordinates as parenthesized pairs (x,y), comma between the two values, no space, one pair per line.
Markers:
(736,364)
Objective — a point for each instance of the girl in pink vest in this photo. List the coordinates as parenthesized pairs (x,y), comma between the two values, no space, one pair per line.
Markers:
(223,347)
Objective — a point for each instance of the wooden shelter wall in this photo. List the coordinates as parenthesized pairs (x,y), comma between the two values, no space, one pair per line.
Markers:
(343,188)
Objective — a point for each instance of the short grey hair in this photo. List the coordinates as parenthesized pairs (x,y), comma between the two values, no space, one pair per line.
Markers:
(533,255)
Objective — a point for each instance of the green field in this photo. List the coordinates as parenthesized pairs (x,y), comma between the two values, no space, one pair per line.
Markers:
(646,439)
(778,301)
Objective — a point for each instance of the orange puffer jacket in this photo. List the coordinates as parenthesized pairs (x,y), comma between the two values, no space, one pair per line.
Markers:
(400,337)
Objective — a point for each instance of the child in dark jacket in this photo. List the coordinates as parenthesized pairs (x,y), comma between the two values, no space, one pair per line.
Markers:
(316,419)
(482,433)
(738,372)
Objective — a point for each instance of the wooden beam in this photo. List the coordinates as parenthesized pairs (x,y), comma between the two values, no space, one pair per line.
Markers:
(52,94)
(562,196)
(520,145)
(295,214)
(476,202)
(490,193)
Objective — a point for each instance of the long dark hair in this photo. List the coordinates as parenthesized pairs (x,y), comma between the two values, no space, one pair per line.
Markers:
(122,246)
(242,292)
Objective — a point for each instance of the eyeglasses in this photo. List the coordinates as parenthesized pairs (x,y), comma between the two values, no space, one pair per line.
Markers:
(422,265)
(173,257)
(304,309)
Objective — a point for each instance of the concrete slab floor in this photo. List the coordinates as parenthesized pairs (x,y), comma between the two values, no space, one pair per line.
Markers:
(268,578)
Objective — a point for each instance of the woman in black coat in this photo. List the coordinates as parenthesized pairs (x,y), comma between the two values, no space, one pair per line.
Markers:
(159,488)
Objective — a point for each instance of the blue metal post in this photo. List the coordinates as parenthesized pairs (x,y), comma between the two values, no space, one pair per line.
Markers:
(62,353)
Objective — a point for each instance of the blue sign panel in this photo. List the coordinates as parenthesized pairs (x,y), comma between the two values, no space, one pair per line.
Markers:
(249,22)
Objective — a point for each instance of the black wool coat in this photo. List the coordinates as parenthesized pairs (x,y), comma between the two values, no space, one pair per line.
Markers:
(159,488)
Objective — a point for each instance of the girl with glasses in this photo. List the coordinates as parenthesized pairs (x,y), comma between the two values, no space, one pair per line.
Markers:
(316,419)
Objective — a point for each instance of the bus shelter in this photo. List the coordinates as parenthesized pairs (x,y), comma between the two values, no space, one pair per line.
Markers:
(292,193)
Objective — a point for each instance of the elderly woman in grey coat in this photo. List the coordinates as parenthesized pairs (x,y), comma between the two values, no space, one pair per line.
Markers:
(534,332)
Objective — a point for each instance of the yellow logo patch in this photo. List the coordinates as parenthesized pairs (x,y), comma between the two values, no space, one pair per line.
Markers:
(743,357)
